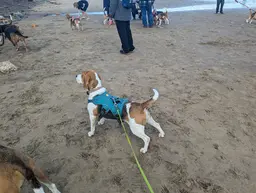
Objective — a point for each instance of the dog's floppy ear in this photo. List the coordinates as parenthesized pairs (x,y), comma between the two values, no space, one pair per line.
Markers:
(89,80)
(86,79)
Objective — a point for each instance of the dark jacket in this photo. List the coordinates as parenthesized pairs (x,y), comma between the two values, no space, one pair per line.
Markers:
(106,3)
(83,5)
(118,12)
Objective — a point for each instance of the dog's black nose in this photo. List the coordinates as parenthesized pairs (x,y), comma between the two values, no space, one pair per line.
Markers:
(76,76)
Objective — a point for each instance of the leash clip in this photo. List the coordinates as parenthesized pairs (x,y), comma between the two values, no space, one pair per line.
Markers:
(114,101)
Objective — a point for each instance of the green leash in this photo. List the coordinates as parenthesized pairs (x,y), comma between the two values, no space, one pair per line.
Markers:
(134,155)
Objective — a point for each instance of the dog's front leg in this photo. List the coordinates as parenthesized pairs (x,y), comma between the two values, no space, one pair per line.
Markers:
(160,22)
(92,109)
(167,22)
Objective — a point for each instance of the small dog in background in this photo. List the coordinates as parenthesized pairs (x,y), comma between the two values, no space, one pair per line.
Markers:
(74,22)
(252,16)
(13,33)
(107,19)
(160,17)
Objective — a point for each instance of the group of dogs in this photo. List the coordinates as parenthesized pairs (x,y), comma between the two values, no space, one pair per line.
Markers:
(16,166)
(13,33)
(158,16)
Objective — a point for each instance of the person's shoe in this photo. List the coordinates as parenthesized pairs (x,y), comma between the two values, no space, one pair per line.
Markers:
(150,26)
(124,52)
(221,12)
(132,49)
(145,26)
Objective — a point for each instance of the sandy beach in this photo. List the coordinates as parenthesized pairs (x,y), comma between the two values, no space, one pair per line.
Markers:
(203,66)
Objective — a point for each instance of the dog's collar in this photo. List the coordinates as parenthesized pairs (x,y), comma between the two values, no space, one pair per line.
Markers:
(95,92)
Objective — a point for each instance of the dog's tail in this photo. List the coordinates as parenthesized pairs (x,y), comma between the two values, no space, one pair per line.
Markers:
(149,102)
(20,34)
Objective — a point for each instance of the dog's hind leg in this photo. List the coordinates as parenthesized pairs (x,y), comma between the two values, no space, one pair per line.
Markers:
(167,22)
(17,46)
(139,131)
(25,44)
(152,122)
(101,121)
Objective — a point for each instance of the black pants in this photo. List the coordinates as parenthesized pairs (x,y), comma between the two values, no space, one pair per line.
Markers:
(220,2)
(125,34)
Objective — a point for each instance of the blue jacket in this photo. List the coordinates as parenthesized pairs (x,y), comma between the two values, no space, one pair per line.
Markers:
(106,101)
(118,12)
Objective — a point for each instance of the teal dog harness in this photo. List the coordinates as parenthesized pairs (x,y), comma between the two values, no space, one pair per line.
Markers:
(108,104)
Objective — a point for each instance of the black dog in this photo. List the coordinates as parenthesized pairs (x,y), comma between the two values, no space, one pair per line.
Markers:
(13,33)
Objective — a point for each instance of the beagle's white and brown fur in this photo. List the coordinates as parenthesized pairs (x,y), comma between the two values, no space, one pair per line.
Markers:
(134,113)
(15,167)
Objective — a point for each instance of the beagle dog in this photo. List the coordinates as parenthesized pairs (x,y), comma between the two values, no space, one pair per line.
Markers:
(107,19)
(252,16)
(160,17)
(102,105)
(74,22)
(15,167)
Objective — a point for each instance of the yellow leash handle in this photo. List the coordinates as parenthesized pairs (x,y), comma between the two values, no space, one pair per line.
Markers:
(134,155)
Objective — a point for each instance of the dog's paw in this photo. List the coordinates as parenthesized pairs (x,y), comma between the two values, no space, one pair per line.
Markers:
(90,133)
(143,150)
(161,134)
(101,121)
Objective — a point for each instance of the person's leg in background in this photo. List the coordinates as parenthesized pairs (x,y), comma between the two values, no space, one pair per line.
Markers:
(144,16)
(221,6)
(129,35)
(150,15)
(217,6)
(134,11)
(122,31)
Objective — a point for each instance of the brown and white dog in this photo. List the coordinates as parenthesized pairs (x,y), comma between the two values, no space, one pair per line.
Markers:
(15,167)
(74,22)
(133,113)
(107,19)
(160,17)
(252,16)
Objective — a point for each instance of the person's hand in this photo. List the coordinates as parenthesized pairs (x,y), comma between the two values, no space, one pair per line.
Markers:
(110,16)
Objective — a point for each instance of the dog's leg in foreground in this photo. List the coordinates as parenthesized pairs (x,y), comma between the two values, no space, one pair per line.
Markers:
(42,178)
(101,121)
(93,118)
(152,122)
(26,45)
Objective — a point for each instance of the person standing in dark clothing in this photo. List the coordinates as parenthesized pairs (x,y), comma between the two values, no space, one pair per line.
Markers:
(220,4)
(106,5)
(122,18)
